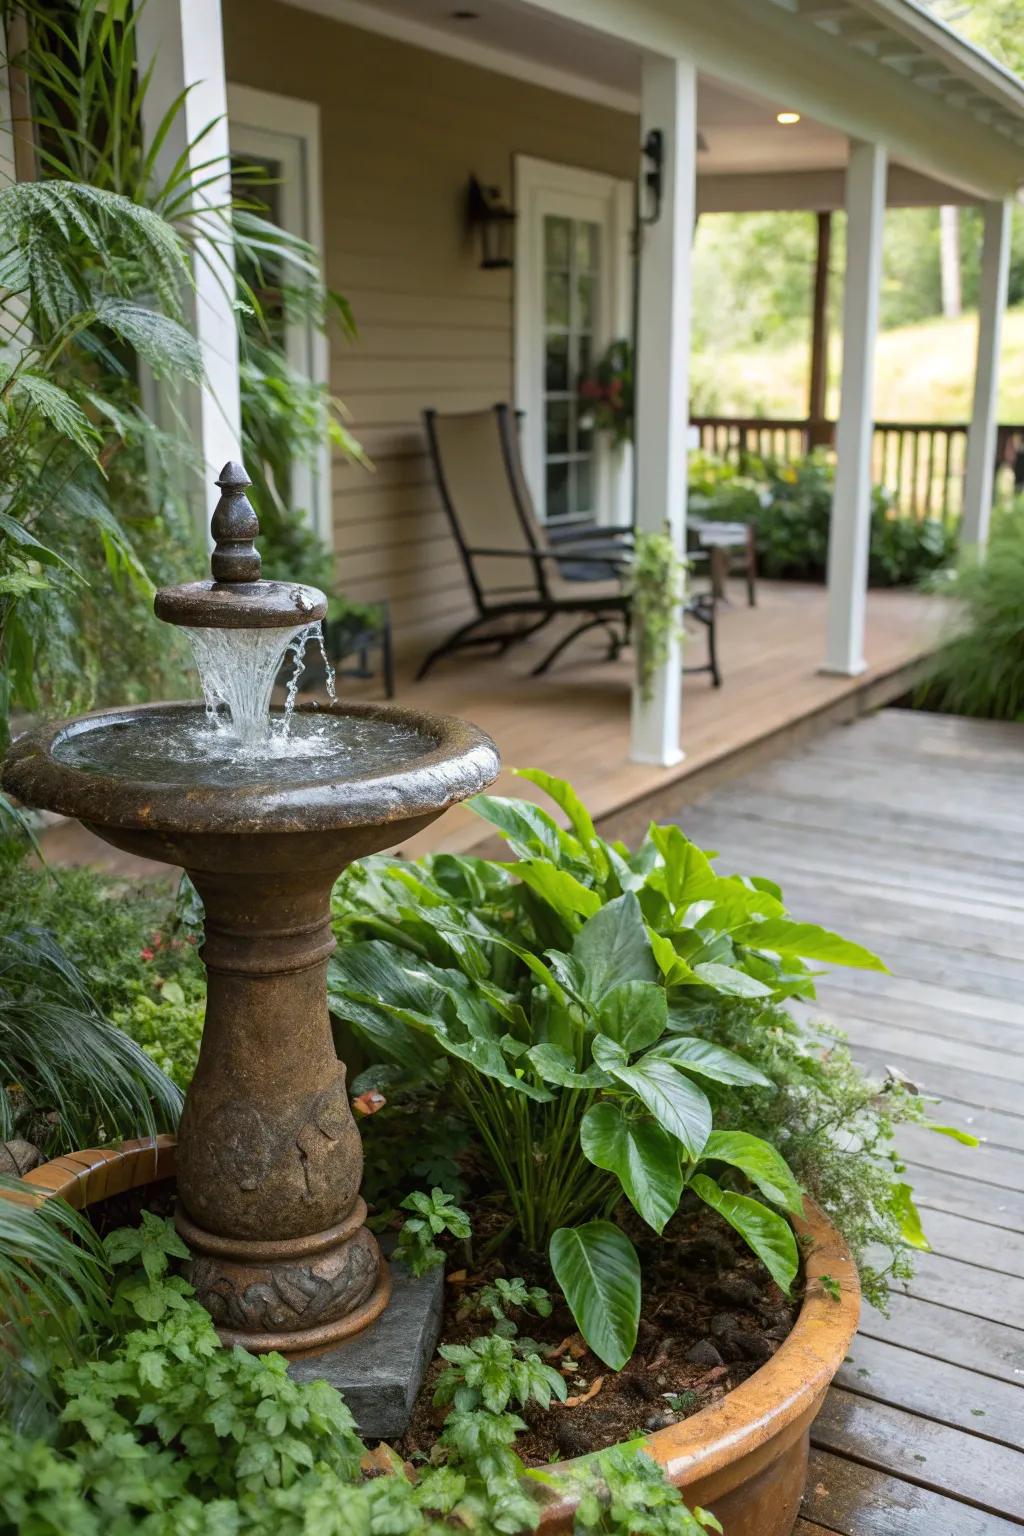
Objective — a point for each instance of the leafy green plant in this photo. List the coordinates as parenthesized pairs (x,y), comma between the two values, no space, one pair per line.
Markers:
(623,1493)
(979,670)
(434,1213)
(606,393)
(53,1290)
(500,1298)
(656,578)
(562,1000)
(790,507)
(157,1427)
(69,1078)
(491,1372)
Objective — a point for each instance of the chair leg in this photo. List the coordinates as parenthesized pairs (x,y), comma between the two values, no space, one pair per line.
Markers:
(452,643)
(751,568)
(388,660)
(566,640)
(716,676)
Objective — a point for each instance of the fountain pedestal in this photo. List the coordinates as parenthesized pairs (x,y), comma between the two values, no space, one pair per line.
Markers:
(269,1158)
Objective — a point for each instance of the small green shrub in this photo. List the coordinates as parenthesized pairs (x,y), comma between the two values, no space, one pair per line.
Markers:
(979,670)
(790,507)
(132,945)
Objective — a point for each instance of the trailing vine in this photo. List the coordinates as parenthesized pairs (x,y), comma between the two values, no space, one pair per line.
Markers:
(657,579)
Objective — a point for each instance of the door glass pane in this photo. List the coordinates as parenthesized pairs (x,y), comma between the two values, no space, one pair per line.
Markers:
(556,299)
(571,284)
(557,489)
(556,363)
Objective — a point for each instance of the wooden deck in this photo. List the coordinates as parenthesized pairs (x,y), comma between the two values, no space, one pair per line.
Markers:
(905,831)
(574,722)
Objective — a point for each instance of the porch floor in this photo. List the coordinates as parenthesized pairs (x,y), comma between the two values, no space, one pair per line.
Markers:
(902,831)
(574,722)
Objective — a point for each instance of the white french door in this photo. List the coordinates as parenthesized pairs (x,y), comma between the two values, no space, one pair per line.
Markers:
(573,296)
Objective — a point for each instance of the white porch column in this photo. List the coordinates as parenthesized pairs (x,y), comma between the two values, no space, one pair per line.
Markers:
(663,367)
(981,434)
(851,507)
(185,41)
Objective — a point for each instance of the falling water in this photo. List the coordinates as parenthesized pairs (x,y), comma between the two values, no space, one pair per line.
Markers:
(238,669)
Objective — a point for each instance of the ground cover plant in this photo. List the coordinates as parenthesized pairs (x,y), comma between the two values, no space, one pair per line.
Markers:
(790,506)
(124,1414)
(979,670)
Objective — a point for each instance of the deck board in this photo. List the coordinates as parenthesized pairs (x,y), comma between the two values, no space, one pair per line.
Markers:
(901,831)
(574,721)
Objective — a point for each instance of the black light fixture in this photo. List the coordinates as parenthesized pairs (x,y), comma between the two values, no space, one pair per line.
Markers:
(653,150)
(495,221)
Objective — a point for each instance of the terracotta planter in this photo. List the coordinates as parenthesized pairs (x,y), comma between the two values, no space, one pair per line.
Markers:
(744,1458)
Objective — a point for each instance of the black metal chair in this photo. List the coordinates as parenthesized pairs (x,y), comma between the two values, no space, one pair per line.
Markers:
(519,579)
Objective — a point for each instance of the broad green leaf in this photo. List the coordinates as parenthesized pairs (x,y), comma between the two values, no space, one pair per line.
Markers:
(953,1131)
(769,1235)
(569,897)
(635,1013)
(529,830)
(664,952)
(707,1060)
(599,1273)
(761,1163)
(645,1158)
(678,1105)
(566,798)
(612,946)
(807,941)
(909,1218)
(556,1066)
(734,983)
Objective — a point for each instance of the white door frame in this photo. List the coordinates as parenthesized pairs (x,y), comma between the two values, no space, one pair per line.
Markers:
(544,187)
(283,128)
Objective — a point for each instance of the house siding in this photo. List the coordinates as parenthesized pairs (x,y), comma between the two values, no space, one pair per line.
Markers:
(402,129)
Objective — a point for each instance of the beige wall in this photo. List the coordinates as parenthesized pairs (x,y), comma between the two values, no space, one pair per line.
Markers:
(402,129)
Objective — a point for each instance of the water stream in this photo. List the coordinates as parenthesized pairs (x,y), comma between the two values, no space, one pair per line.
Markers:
(238,669)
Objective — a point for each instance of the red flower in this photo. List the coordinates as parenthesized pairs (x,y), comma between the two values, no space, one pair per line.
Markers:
(147,954)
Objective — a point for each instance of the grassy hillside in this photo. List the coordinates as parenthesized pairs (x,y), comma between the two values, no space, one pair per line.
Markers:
(923,372)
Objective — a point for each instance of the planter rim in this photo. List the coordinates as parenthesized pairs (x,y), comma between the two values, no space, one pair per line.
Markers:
(716,1448)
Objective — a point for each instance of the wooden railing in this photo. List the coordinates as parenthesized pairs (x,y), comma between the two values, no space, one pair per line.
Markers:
(920,463)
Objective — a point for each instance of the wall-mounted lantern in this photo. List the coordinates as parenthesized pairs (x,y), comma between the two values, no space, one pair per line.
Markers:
(653,151)
(495,221)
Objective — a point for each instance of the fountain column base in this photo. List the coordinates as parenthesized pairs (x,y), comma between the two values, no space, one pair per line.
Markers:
(294,1295)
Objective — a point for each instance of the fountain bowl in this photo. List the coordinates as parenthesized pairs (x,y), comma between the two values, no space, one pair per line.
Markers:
(259,813)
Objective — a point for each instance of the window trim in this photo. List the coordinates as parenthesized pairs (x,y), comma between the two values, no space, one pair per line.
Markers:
(290,128)
(544,187)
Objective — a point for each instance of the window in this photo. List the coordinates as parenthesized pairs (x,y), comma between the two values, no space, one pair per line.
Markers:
(573,297)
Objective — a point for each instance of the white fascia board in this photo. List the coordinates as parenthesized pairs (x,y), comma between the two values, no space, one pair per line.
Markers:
(773,52)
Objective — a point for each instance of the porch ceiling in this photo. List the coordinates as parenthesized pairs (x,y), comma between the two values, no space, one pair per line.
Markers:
(878,54)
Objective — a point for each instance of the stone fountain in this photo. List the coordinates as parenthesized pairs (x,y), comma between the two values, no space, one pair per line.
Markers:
(264,809)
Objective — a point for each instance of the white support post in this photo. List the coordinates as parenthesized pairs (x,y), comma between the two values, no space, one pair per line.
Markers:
(851,507)
(663,367)
(185,40)
(981,434)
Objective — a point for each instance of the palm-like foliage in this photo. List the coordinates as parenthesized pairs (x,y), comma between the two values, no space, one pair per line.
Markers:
(69,1078)
(53,1296)
(89,282)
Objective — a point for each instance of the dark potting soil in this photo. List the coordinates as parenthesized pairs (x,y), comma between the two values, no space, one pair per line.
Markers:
(711,1316)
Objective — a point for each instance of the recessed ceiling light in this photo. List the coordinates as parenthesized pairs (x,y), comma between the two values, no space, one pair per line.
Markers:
(465,15)
(787,118)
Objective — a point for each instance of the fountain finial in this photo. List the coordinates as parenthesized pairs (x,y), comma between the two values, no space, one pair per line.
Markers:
(237,597)
(234,525)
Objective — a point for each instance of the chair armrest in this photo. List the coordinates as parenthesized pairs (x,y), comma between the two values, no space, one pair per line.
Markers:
(573,535)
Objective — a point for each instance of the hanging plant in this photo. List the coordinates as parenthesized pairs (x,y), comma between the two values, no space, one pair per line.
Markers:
(657,580)
(606,393)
